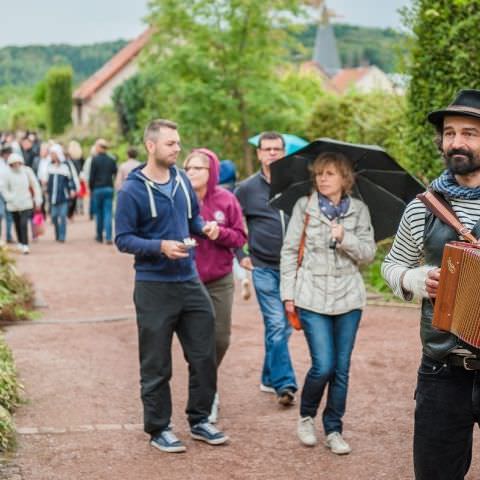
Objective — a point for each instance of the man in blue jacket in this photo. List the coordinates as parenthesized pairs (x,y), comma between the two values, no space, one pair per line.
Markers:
(157,211)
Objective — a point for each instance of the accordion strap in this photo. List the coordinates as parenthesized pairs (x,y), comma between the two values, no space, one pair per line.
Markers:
(442,210)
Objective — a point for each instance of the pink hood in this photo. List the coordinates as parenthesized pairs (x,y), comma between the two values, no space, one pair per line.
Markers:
(214,173)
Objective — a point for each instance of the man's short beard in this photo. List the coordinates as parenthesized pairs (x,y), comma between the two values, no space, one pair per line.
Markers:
(162,162)
(472,164)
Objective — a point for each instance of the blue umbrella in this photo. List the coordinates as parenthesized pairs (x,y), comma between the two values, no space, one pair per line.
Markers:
(292,142)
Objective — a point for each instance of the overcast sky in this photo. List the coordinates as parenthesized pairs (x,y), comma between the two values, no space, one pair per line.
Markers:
(27,22)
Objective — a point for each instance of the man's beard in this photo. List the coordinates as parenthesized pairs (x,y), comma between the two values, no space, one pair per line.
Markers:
(469,162)
(164,162)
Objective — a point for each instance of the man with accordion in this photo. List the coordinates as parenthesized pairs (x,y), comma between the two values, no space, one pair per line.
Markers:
(433,233)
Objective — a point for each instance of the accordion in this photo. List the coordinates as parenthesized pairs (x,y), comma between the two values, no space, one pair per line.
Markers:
(457,305)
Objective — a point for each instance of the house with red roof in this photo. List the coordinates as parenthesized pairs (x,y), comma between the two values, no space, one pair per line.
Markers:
(97,90)
(362,79)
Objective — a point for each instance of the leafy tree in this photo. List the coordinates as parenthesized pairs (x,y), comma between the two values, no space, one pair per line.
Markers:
(58,99)
(129,99)
(443,60)
(217,65)
(376,119)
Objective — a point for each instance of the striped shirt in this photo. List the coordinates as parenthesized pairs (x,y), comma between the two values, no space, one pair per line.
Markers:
(407,249)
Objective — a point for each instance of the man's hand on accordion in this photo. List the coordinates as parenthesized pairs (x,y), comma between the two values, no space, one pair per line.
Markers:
(431,283)
(414,282)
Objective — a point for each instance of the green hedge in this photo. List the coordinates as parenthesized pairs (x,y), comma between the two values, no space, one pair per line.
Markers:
(9,396)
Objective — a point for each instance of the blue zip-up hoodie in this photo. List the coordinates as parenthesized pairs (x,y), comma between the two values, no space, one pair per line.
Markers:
(145,216)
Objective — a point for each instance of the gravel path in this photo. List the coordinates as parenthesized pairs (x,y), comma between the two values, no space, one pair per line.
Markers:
(82,416)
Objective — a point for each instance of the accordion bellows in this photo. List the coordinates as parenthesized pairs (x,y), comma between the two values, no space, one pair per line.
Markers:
(457,305)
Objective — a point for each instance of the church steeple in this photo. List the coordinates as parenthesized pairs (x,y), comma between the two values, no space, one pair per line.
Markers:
(325,52)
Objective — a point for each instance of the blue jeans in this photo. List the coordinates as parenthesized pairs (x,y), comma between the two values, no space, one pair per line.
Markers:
(277,367)
(8,226)
(103,201)
(447,408)
(59,219)
(330,339)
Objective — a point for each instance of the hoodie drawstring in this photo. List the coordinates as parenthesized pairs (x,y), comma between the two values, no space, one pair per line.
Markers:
(187,195)
(153,208)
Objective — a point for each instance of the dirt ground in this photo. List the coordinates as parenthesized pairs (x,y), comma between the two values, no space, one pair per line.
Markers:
(82,414)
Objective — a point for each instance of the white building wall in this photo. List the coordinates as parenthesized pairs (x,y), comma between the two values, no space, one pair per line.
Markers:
(103,96)
(375,79)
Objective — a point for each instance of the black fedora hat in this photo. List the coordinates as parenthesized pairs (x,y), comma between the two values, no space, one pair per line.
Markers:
(467,103)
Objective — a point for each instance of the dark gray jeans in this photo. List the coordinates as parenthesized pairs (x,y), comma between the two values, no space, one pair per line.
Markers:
(162,309)
(221,294)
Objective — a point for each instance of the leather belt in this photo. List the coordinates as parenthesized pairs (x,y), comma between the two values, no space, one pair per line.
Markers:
(464,361)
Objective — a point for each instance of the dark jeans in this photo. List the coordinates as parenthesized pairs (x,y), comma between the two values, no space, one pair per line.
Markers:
(330,340)
(447,408)
(162,309)
(21,220)
(103,198)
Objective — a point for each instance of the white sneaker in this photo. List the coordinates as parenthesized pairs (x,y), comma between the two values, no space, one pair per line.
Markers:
(213,417)
(246,289)
(265,389)
(306,431)
(25,249)
(337,444)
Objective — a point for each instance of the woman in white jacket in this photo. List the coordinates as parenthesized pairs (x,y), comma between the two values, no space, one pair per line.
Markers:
(22,193)
(327,289)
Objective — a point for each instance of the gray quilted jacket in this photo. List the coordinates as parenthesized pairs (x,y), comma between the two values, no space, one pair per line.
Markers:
(328,281)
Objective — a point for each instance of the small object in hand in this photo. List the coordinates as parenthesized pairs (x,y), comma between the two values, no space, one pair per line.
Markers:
(332,244)
(189,243)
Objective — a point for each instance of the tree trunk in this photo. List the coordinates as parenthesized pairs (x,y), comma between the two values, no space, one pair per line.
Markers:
(245,132)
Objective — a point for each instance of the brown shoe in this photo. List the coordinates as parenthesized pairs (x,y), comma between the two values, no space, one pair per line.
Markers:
(286,398)
(246,289)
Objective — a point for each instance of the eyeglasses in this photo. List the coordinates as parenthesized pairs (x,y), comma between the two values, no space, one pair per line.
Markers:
(272,149)
(196,169)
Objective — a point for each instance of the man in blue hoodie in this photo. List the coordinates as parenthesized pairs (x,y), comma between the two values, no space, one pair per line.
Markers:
(157,212)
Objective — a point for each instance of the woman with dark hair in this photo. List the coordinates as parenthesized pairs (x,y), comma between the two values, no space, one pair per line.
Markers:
(327,289)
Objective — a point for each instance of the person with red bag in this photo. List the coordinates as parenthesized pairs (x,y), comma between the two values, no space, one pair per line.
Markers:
(22,193)
(326,289)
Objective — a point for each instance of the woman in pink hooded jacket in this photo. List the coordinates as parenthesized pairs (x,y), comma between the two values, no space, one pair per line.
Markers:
(214,258)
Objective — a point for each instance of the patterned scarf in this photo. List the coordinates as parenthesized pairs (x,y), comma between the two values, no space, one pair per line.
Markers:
(330,210)
(447,185)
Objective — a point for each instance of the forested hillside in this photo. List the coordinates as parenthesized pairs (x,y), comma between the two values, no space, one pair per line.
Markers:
(361,45)
(28,65)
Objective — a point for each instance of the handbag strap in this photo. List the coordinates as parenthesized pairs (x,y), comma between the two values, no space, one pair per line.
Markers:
(301,247)
(443,210)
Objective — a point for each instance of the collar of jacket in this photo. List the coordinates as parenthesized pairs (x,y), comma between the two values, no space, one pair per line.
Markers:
(313,208)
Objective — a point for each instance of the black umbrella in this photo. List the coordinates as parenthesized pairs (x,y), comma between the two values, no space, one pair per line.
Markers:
(381,183)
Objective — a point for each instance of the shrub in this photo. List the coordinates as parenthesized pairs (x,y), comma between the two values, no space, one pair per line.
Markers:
(58,96)
(442,60)
(9,396)
(16,292)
